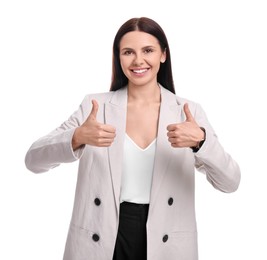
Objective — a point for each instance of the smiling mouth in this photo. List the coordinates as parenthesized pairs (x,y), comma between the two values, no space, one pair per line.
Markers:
(140,71)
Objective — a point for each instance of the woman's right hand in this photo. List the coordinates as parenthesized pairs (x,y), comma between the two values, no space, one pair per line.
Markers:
(92,132)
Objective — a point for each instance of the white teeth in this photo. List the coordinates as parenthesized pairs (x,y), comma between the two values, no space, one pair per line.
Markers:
(140,71)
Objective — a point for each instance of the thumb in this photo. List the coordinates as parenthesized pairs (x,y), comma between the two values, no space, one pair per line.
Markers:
(188,114)
(94,110)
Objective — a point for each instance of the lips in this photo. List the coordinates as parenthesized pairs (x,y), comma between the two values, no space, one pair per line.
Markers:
(139,71)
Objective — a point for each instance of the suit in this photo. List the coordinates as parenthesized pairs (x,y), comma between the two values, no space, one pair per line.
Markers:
(171,224)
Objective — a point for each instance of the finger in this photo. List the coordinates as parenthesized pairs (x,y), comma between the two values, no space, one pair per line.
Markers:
(108,128)
(188,115)
(171,134)
(171,127)
(105,131)
(107,135)
(104,142)
(94,110)
(174,143)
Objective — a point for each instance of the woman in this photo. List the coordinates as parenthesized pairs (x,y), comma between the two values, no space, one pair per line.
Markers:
(138,146)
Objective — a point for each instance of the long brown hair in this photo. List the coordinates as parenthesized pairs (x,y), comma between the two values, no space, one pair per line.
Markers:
(147,25)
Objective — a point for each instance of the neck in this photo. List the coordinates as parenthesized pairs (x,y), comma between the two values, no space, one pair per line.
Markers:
(148,94)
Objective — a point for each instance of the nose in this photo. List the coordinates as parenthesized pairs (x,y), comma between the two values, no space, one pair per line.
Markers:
(138,60)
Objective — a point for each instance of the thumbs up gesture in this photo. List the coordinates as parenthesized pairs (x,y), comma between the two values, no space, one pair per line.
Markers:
(92,132)
(187,133)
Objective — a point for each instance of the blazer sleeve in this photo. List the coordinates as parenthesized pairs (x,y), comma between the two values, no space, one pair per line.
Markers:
(221,170)
(55,148)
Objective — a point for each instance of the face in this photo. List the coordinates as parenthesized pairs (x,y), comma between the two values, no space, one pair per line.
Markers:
(140,57)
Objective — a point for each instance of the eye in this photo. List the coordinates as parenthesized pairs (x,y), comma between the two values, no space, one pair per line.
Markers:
(127,52)
(148,50)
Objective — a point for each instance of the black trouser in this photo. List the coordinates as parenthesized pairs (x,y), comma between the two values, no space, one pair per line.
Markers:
(131,238)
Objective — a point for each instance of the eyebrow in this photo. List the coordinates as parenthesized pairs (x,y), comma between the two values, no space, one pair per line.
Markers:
(145,47)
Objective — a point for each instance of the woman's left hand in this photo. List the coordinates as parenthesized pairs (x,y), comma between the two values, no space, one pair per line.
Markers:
(186,134)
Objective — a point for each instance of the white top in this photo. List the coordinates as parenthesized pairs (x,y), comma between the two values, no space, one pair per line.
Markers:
(137,172)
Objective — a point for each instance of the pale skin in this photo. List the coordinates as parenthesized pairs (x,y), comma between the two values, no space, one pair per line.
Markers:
(140,57)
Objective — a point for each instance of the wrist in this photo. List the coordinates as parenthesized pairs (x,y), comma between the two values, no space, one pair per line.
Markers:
(200,142)
(75,139)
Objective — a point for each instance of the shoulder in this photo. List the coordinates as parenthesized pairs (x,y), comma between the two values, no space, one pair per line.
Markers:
(179,100)
(182,100)
(195,107)
(99,97)
(117,97)
(111,96)
(175,100)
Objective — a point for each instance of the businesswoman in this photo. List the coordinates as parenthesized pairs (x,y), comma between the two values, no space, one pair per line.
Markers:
(138,147)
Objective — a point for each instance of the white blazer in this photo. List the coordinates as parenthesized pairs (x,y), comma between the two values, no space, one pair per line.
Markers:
(171,224)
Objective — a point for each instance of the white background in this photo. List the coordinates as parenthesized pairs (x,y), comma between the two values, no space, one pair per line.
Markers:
(54,52)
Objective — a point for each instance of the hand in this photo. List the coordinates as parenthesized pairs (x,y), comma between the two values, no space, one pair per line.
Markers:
(92,132)
(186,134)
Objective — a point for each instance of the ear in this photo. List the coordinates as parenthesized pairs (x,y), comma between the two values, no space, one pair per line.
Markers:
(163,56)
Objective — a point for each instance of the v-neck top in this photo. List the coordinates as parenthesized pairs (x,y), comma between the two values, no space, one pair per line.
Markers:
(137,171)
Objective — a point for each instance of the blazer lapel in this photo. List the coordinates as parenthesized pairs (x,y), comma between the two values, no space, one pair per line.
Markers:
(170,112)
(115,115)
